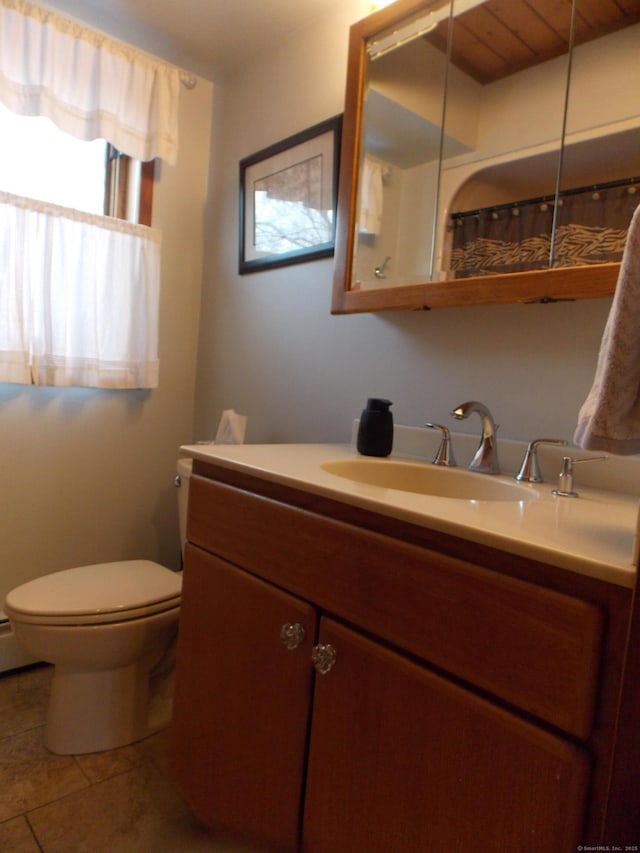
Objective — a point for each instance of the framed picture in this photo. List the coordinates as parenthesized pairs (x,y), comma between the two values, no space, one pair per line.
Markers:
(288,196)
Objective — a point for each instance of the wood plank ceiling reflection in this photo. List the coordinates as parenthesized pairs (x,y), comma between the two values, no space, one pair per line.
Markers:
(500,37)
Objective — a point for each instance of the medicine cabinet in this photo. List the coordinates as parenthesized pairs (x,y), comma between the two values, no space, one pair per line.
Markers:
(490,153)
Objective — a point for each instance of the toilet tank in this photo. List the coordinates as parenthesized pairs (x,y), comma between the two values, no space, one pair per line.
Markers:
(183,474)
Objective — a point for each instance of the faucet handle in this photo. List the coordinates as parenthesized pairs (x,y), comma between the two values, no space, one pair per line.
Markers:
(565,478)
(444,456)
(530,469)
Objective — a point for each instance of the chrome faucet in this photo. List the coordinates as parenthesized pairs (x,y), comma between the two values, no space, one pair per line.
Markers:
(530,469)
(486,459)
(444,456)
(380,271)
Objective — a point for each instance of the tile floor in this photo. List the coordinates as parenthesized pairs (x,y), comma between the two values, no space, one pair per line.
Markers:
(121,801)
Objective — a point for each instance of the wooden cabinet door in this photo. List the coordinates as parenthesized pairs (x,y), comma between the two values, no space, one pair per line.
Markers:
(242,703)
(404,761)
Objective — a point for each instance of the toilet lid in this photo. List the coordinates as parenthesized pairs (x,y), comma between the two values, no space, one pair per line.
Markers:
(115,588)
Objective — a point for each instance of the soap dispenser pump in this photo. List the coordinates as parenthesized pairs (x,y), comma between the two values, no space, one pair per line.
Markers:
(375,431)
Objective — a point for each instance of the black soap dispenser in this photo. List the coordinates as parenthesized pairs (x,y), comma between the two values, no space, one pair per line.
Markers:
(375,431)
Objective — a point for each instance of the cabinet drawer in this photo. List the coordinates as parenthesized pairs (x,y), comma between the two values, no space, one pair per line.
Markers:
(530,646)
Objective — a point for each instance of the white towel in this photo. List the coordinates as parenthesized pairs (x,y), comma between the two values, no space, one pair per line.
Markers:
(371,197)
(610,416)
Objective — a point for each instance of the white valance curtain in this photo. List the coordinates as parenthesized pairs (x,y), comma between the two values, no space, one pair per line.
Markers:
(89,85)
(79,293)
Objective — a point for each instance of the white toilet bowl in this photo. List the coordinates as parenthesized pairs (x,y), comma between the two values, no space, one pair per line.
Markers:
(104,627)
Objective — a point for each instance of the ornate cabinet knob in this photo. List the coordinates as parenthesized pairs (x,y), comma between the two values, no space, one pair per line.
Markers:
(323,657)
(292,635)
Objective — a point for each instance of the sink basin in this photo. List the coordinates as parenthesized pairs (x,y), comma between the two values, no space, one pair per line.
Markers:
(425,479)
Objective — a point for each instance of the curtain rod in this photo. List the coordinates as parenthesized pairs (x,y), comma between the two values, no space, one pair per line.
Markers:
(607,185)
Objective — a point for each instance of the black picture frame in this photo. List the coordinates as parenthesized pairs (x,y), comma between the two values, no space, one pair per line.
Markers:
(288,199)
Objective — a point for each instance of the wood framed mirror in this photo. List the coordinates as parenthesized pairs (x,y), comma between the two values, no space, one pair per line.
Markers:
(490,153)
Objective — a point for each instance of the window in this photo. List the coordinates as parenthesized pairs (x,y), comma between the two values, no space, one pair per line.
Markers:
(39,161)
(128,189)
(79,264)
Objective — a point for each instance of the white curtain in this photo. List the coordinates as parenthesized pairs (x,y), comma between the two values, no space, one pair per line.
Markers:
(89,85)
(96,327)
(79,293)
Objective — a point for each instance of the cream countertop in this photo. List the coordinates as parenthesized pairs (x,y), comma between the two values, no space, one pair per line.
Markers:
(593,535)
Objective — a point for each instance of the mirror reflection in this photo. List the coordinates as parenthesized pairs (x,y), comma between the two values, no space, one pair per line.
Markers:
(402,118)
(601,153)
(490,222)
(496,138)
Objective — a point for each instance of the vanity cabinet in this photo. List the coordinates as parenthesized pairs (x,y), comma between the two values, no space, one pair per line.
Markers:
(467,707)
(402,759)
(242,706)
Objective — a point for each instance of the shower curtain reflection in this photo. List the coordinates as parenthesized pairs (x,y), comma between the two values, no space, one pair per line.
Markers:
(590,228)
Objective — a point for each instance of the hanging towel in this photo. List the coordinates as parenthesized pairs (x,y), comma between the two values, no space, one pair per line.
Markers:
(610,416)
(371,197)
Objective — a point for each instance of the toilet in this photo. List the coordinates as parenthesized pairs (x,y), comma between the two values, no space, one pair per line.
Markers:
(104,627)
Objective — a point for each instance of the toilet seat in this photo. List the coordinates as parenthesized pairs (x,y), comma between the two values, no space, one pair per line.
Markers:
(96,594)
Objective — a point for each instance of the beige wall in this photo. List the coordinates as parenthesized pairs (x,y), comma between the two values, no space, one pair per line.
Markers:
(270,348)
(87,475)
